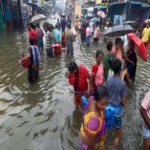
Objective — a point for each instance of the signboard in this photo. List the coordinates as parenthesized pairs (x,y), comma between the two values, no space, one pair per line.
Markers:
(102,2)
(118,20)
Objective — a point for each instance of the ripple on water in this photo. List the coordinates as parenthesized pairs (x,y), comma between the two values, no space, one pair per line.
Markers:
(42,116)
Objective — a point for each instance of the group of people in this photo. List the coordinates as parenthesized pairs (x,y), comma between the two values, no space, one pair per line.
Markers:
(55,41)
(89,31)
(105,86)
(106,89)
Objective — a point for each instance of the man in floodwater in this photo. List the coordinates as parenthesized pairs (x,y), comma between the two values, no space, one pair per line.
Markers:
(32,33)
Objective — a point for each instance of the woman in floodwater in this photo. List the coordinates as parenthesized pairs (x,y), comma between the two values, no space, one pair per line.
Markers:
(78,79)
(131,61)
(98,70)
(34,56)
(92,134)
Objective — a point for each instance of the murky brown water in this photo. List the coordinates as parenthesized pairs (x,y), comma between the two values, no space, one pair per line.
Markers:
(24,120)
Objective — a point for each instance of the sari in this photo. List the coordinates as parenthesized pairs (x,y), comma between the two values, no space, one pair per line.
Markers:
(82,84)
(33,70)
(95,125)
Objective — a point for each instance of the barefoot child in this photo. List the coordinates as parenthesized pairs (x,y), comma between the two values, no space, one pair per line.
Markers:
(117,92)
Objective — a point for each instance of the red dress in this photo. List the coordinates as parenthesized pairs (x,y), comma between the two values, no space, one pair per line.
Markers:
(82,82)
(63,41)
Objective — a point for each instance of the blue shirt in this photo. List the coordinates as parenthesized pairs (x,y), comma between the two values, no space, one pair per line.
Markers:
(116,89)
(57,35)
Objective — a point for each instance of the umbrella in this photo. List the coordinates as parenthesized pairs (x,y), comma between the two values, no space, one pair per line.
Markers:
(81,20)
(101,14)
(129,22)
(37,18)
(46,25)
(119,30)
(140,49)
(95,20)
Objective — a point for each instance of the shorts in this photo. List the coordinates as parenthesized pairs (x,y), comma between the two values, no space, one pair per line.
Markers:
(113,116)
(117,121)
(146,132)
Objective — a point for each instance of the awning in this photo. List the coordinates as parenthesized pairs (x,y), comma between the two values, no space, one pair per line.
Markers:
(118,3)
(139,3)
(99,7)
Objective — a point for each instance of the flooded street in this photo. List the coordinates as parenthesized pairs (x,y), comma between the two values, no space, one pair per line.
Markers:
(42,116)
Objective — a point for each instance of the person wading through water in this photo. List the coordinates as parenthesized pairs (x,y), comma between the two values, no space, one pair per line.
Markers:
(34,56)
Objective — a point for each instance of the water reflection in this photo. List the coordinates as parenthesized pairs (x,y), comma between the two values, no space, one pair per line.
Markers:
(42,116)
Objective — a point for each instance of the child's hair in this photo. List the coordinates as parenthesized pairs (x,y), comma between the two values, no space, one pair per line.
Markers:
(117,41)
(109,45)
(72,67)
(99,52)
(100,93)
(116,66)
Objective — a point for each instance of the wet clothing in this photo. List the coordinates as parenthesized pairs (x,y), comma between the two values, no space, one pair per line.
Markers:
(98,71)
(88,35)
(70,38)
(106,64)
(49,42)
(40,35)
(116,90)
(96,34)
(146,35)
(82,83)
(95,125)
(32,34)
(33,70)
(117,52)
(63,45)
(63,25)
(57,35)
(58,24)
(83,33)
(146,105)
(131,68)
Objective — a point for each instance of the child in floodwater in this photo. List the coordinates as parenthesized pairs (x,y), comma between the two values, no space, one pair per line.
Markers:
(117,91)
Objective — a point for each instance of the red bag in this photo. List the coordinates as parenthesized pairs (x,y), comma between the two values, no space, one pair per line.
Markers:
(27,63)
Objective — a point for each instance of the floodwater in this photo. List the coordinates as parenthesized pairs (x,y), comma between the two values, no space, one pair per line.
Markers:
(42,116)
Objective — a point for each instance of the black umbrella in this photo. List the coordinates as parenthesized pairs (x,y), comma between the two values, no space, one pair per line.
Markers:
(119,30)
(47,25)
